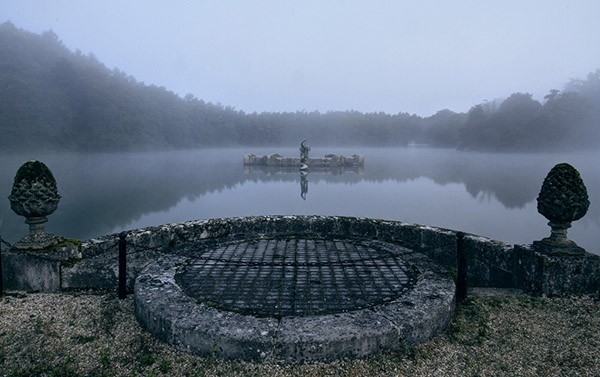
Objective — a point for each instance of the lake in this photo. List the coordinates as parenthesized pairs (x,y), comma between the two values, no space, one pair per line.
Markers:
(488,194)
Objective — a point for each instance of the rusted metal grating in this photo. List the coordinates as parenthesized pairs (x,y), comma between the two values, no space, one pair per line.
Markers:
(298,277)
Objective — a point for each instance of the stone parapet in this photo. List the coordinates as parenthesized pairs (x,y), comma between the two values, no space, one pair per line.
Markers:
(490,263)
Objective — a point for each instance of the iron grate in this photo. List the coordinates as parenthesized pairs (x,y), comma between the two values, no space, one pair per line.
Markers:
(298,277)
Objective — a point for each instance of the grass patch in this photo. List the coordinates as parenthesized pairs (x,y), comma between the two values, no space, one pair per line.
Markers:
(83,339)
(108,315)
(94,335)
(105,358)
(470,325)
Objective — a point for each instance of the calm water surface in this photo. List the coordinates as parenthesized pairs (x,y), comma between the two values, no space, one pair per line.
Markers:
(488,194)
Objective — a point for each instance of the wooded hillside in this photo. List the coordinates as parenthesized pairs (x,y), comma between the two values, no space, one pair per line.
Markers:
(57,100)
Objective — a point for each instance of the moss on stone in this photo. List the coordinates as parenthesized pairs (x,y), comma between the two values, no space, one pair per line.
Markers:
(33,171)
(563,197)
(67,242)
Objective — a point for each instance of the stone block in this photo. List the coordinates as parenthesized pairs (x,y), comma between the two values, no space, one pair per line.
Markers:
(557,275)
(35,271)
(489,263)
(334,336)
(102,271)
(438,244)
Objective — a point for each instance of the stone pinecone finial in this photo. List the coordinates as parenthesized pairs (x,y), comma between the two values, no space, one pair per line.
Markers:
(34,191)
(562,199)
(34,195)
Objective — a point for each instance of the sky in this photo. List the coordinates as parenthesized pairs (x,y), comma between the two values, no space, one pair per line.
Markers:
(331,55)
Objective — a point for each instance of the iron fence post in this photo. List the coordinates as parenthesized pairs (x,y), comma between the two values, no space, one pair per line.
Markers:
(461,276)
(1,274)
(122,266)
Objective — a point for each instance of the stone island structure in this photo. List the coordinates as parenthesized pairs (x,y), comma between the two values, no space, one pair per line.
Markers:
(304,162)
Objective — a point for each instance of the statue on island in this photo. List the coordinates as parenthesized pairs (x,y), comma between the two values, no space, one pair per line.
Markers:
(329,161)
(562,199)
(34,195)
(303,155)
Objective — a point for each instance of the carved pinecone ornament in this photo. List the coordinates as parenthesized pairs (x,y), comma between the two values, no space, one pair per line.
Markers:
(563,197)
(34,192)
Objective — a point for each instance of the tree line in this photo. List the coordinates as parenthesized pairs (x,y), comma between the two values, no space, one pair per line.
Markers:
(567,119)
(57,100)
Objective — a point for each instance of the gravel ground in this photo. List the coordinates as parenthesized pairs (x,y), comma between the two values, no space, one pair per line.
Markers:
(495,333)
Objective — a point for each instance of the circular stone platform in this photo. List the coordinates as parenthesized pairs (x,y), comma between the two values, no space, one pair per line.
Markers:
(294,300)
(297,277)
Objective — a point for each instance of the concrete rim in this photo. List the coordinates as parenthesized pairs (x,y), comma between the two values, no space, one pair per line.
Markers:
(163,309)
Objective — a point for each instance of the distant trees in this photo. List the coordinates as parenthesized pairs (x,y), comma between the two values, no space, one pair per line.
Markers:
(443,128)
(512,126)
(566,120)
(54,99)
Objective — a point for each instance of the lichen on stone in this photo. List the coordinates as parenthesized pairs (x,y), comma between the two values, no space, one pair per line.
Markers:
(34,192)
(35,171)
(563,197)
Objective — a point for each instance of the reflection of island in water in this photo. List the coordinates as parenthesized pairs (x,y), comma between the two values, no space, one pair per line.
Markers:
(101,192)
(275,163)
(294,171)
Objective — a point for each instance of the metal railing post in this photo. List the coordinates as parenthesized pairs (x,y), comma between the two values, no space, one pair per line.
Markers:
(1,274)
(122,266)
(461,276)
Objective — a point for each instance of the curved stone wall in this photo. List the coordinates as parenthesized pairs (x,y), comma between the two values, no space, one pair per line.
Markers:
(437,243)
(98,264)
(490,263)
(165,309)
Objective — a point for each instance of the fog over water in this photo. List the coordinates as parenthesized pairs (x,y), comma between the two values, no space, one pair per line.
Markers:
(140,75)
(489,194)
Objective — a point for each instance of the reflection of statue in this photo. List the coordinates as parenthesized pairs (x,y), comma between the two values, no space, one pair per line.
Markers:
(303,152)
(303,185)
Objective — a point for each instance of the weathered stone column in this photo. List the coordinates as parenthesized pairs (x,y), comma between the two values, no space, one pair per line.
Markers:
(34,195)
(562,199)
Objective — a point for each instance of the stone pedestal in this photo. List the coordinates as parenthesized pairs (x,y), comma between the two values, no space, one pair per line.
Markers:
(558,243)
(38,238)
(34,271)
(540,272)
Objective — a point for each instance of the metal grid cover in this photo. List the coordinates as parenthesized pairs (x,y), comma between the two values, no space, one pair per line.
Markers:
(297,277)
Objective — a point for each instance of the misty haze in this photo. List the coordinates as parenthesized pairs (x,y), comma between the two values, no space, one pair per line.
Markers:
(484,193)
(380,187)
(60,101)
(478,171)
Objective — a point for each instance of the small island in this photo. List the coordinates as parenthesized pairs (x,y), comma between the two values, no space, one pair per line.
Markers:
(305,162)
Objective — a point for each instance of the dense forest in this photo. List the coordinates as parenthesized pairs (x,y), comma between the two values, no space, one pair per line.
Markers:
(57,100)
